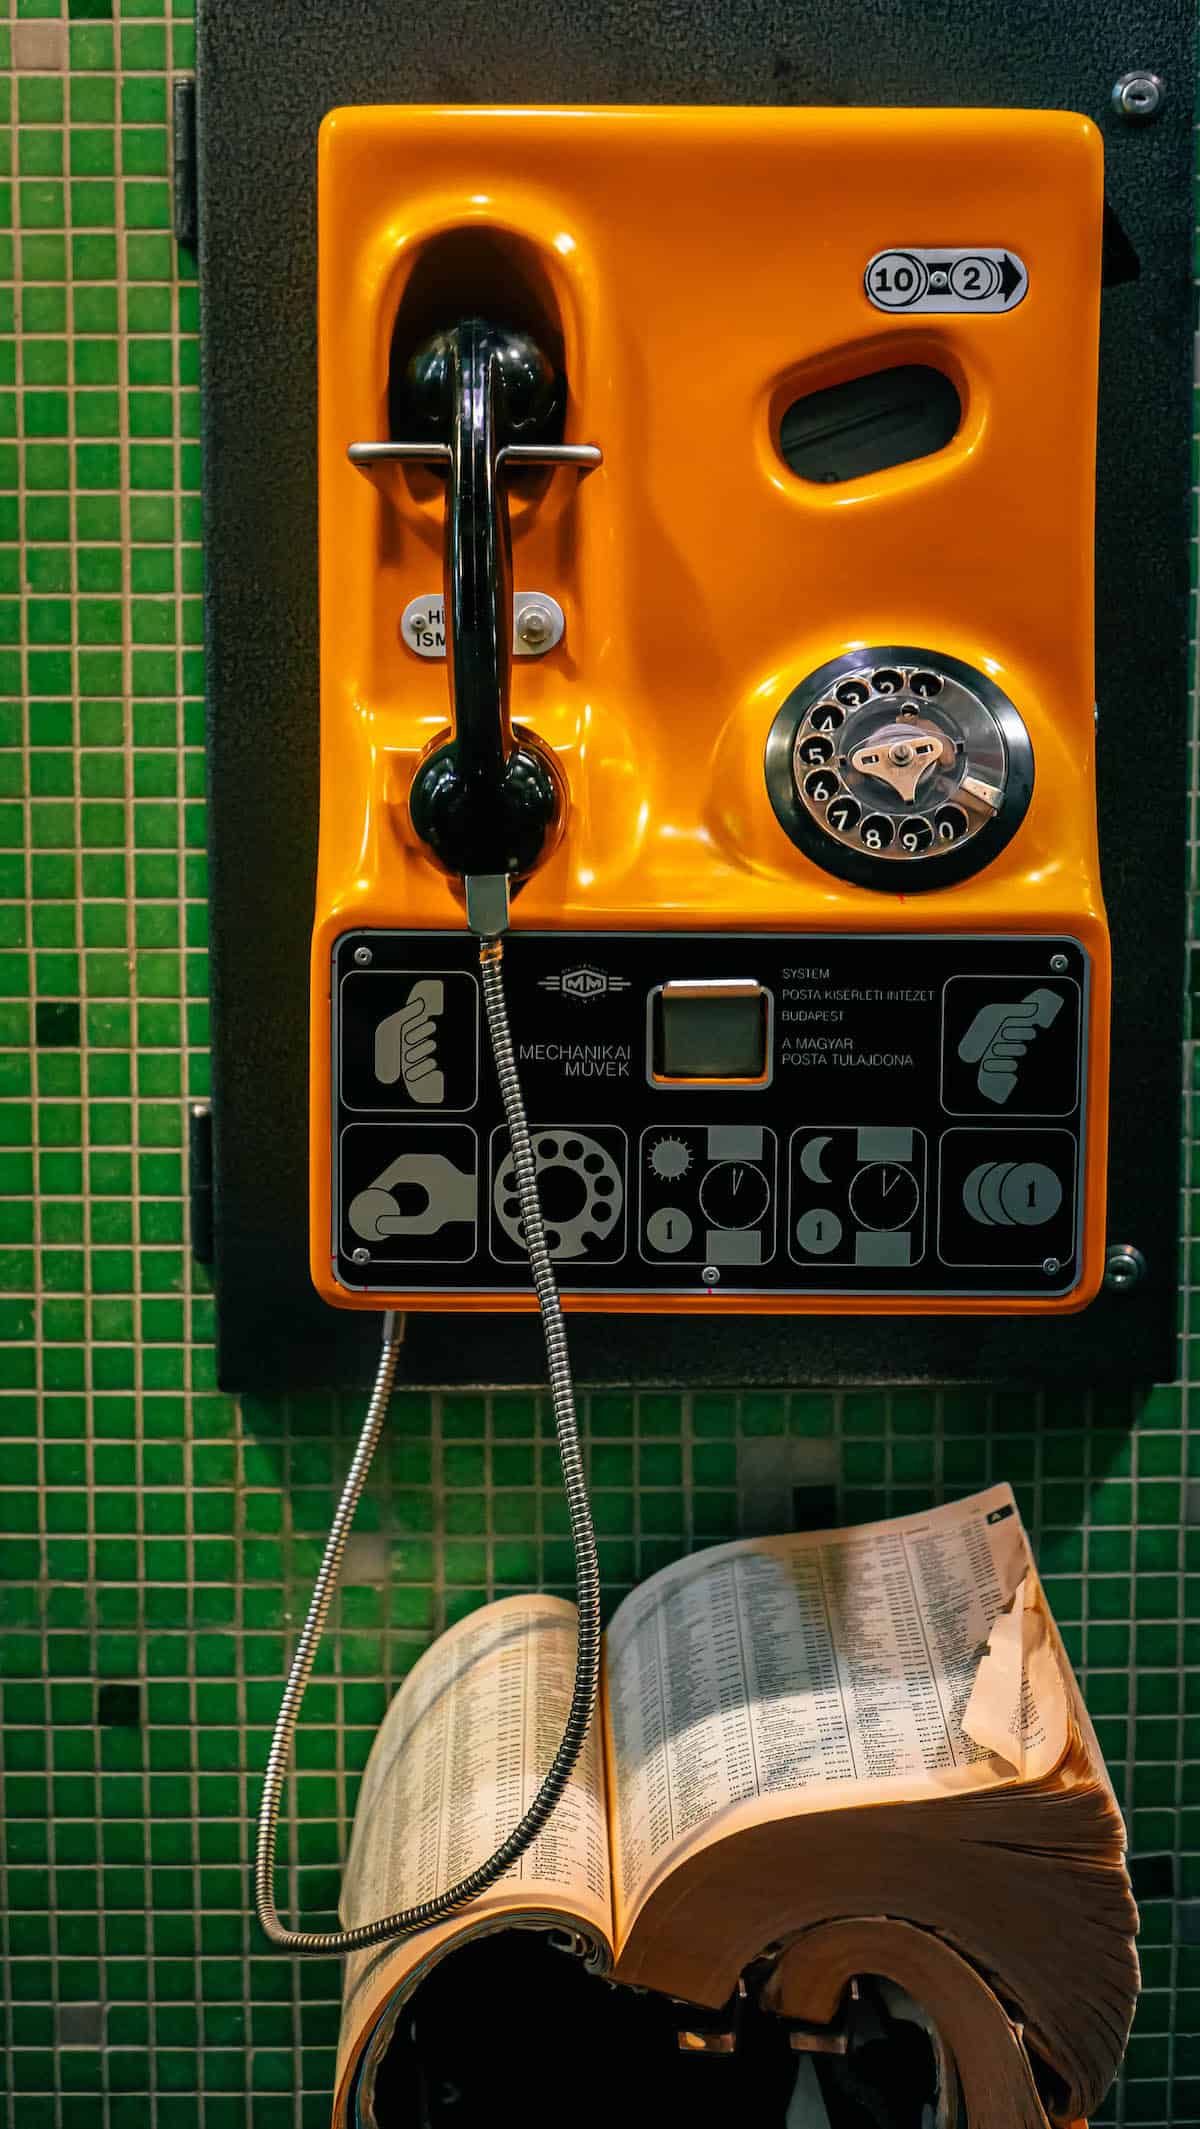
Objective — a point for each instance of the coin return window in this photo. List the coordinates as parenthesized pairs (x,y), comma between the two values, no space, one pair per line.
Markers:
(707,1032)
(865,424)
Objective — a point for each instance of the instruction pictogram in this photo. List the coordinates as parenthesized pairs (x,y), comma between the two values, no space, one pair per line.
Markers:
(941,278)
(409,1040)
(409,1192)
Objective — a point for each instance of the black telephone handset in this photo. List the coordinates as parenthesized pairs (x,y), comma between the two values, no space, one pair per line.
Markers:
(484,802)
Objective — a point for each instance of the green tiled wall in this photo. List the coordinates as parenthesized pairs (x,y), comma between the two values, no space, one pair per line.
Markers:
(158,1539)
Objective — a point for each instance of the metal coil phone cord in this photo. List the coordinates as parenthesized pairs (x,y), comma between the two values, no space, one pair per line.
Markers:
(321,1943)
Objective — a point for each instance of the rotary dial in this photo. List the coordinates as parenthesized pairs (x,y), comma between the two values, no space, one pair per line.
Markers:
(899,768)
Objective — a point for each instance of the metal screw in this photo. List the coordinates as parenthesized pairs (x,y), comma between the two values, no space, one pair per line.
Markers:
(1050,1265)
(1059,964)
(535,626)
(1138,94)
(363,956)
(360,1256)
(1124,1267)
(710,1275)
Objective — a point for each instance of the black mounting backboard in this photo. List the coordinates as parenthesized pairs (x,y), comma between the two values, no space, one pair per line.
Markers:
(266,77)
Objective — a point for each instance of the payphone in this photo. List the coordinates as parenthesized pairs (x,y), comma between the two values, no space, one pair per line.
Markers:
(708,903)
(770,751)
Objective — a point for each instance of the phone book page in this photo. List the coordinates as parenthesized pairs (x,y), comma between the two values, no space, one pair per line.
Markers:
(778,1676)
(459,1757)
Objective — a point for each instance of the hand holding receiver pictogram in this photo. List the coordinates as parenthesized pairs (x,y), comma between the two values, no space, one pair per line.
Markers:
(1000,1036)
(406,1044)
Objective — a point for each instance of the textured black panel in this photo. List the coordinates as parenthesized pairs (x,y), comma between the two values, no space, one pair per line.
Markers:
(919,1172)
(267,74)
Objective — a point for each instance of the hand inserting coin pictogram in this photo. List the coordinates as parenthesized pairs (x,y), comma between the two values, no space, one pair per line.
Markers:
(1000,1036)
(417,1194)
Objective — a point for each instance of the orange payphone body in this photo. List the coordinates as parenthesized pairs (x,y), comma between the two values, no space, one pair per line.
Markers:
(808,964)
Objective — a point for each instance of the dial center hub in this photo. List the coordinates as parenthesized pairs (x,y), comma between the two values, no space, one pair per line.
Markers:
(900,756)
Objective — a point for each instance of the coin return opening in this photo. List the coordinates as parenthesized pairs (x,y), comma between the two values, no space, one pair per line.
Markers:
(866,424)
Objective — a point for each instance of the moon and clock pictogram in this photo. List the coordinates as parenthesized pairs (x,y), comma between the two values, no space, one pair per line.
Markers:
(707,1197)
(856,1196)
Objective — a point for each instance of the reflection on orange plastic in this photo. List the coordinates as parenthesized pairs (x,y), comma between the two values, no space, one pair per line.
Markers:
(697,269)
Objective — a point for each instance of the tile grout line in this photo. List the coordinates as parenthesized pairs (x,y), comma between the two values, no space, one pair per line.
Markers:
(6,1936)
(96,1627)
(189,1428)
(38,1293)
(130,851)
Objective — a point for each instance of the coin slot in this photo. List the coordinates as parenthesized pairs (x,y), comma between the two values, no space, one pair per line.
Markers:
(708,1033)
(865,424)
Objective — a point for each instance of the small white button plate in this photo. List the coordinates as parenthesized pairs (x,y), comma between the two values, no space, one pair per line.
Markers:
(423,624)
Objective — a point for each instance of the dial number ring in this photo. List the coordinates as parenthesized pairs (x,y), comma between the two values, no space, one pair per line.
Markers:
(899,768)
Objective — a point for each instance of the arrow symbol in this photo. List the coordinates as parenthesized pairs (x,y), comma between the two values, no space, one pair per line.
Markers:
(1011,276)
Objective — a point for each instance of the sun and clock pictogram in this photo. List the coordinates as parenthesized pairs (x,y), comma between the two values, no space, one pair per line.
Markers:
(708,1198)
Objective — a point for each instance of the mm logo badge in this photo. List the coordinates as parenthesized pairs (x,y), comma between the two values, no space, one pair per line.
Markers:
(584,982)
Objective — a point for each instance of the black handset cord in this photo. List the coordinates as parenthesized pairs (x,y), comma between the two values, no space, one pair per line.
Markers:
(320,1943)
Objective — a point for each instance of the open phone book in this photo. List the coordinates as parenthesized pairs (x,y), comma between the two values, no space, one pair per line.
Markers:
(816,1756)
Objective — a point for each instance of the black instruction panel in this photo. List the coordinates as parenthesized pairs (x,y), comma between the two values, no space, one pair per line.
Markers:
(912,1123)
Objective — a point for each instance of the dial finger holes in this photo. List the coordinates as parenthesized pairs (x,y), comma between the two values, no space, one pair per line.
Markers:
(950,824)
(915,835)
(813,749)
(844,813)
(826,717)
(820,786)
